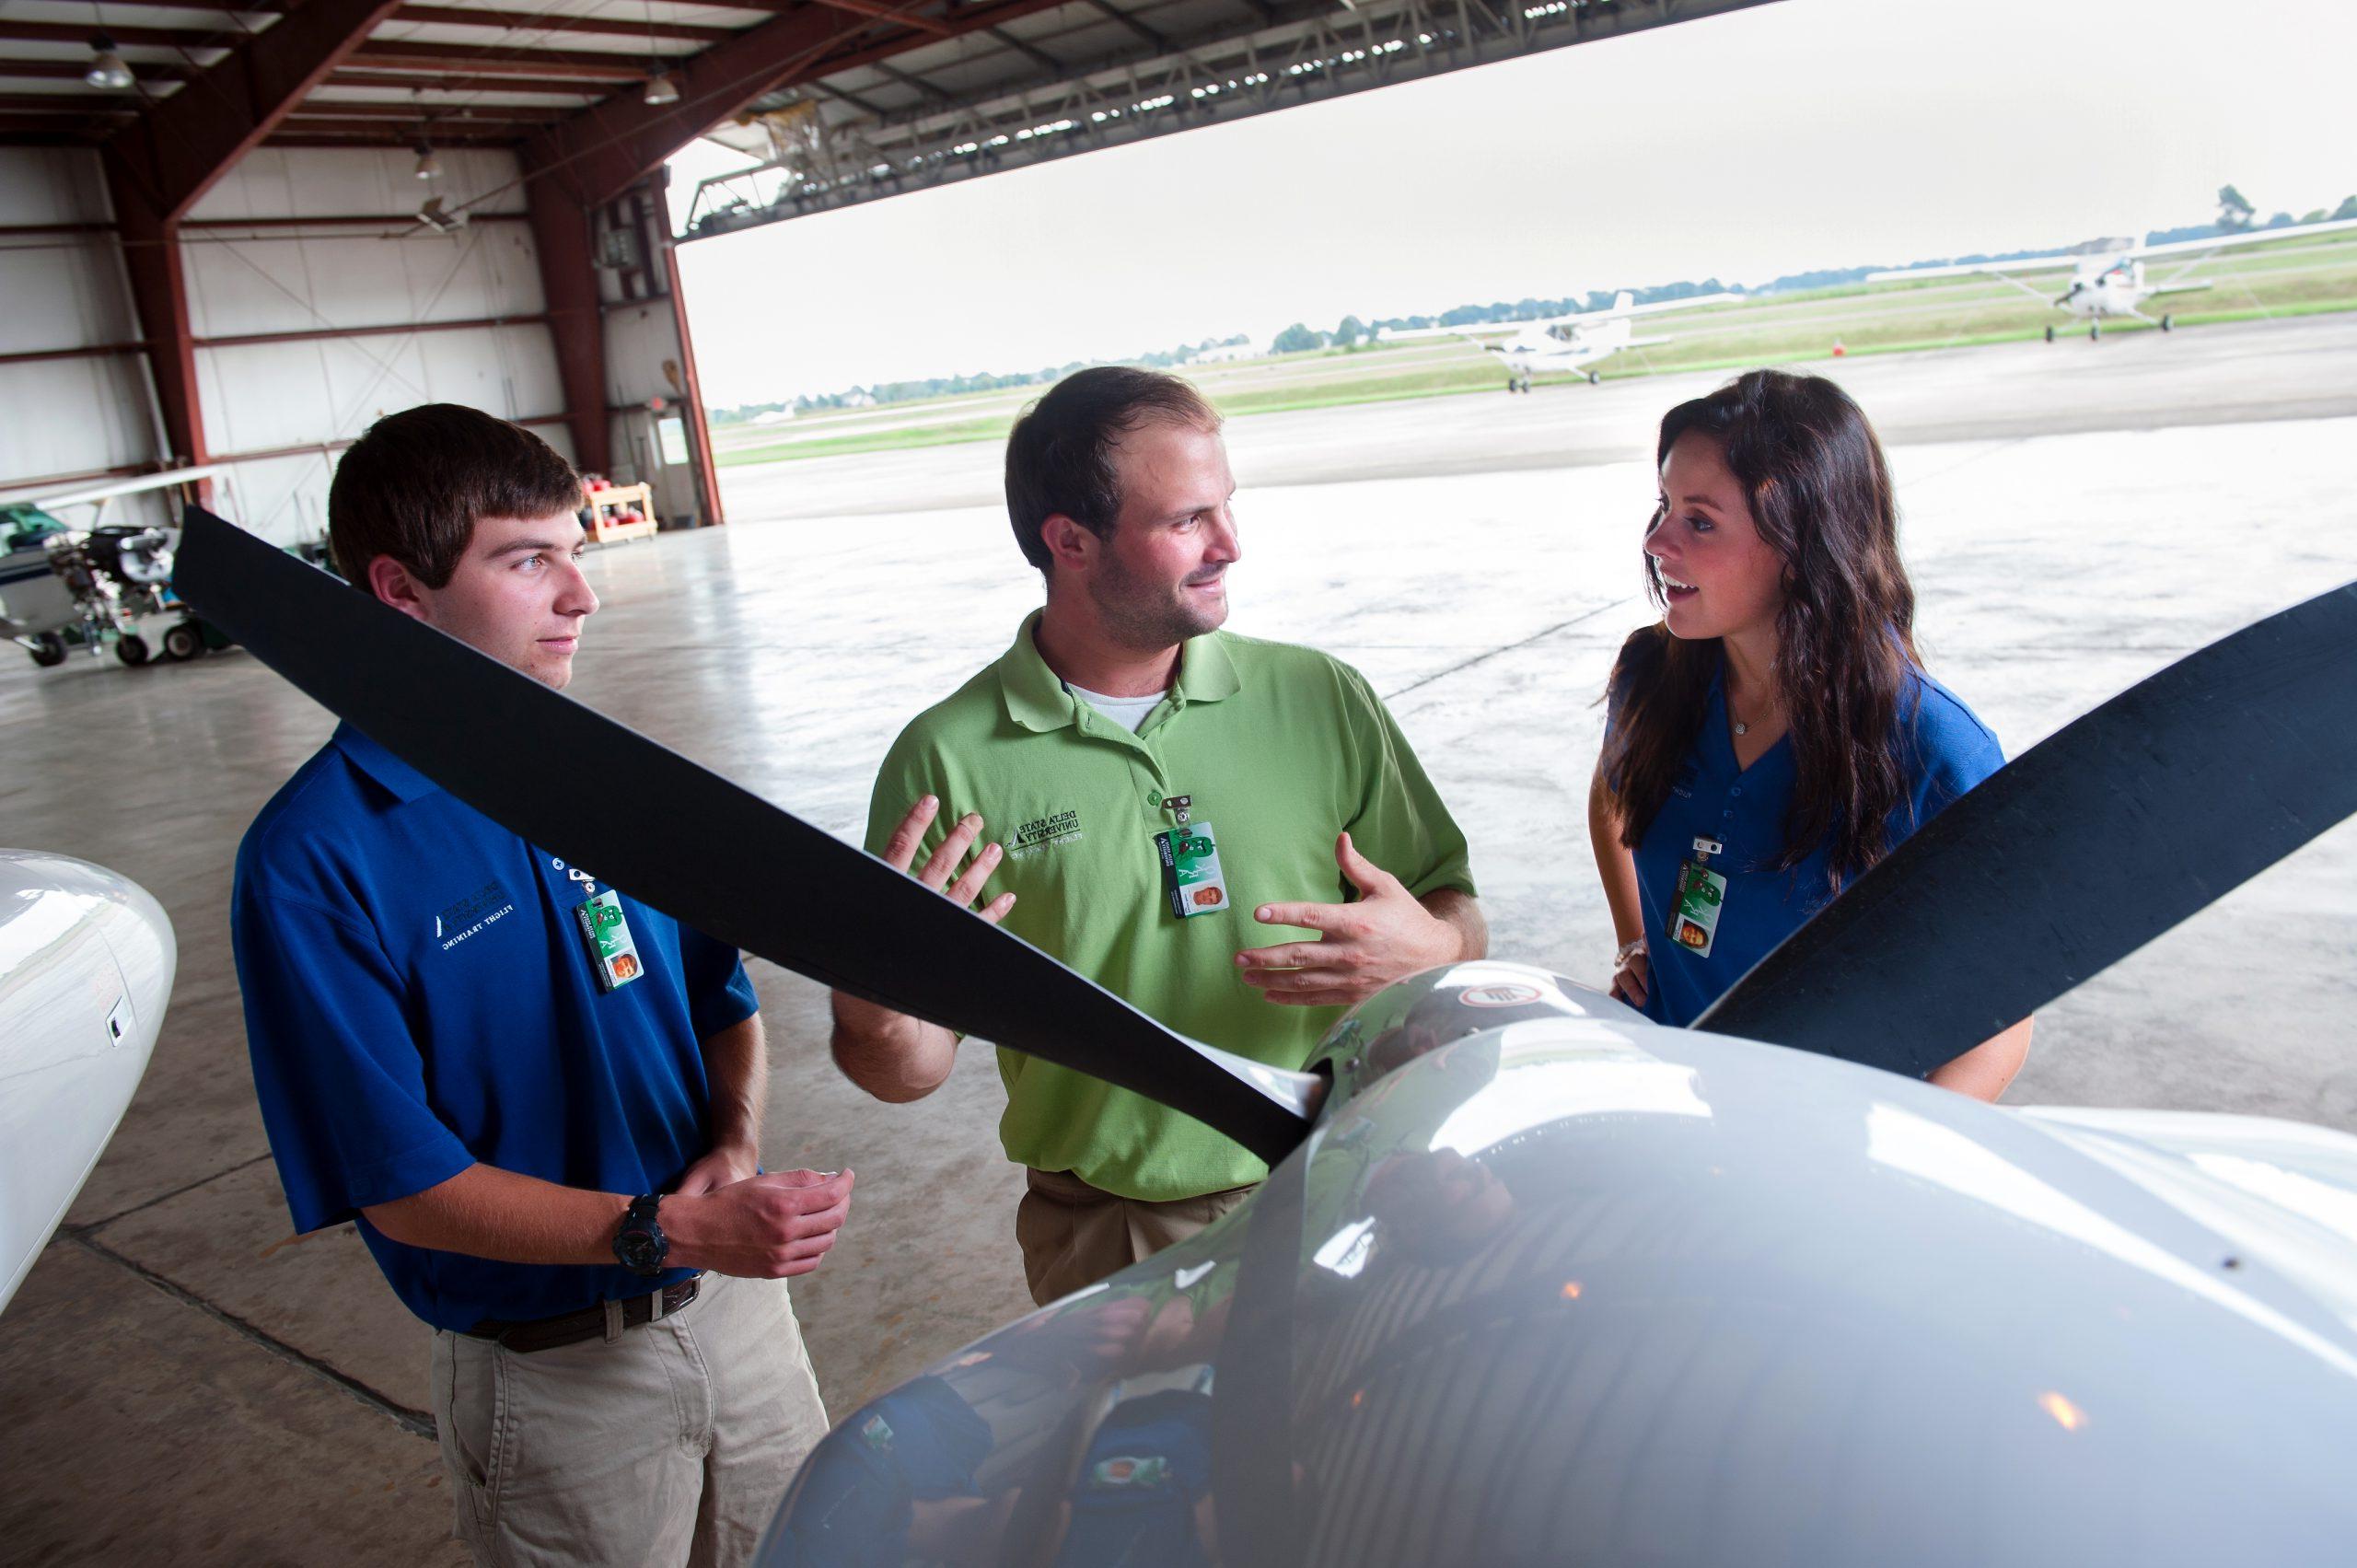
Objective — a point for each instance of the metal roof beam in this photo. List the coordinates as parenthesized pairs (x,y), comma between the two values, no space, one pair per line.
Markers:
(187,141)
(1161,44)
(550,21)
(1038,56)
(882,11)
(909,80)
(574,86)
(852,98)
(73,70)
(490,61)
(605,149)
(223,37)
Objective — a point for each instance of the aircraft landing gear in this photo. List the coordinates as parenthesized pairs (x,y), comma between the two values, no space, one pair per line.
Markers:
(2095,330)
(2049,334)
(2168,322)
(48,649)
(1518,384)
(1596,378)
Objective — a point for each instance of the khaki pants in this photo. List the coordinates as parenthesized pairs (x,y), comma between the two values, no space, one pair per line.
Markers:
(671,1445)
(1074,1235)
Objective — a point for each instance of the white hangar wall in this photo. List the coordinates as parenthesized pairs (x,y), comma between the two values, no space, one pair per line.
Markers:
(309,330)
(76,405)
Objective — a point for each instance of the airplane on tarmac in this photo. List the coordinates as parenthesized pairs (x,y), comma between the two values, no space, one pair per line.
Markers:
(1534,1280)
(2107,281)
(1570,344)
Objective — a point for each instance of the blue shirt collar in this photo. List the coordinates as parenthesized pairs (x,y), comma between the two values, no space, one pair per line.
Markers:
(406,783)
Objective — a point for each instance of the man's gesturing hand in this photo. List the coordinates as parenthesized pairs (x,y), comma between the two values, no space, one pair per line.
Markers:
(764,1228)
(900,849)
(1385,935)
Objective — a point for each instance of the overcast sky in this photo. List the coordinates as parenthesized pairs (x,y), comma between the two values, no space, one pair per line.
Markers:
(1802,134)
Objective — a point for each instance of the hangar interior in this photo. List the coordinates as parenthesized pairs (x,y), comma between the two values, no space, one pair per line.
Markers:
(298,215)
(233,234)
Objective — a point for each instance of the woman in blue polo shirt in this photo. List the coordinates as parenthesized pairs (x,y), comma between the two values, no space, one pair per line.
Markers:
(1774,734)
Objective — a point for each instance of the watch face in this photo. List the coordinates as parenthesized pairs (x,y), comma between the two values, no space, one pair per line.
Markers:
(638,1250)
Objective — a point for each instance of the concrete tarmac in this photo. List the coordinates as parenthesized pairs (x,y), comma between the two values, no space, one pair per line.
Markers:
(188,1382)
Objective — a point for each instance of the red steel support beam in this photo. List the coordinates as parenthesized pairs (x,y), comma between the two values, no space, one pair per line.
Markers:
(151,258)
(556,21)
(184,143)
(562,244)
(92,351)
(486,59)
(391,330)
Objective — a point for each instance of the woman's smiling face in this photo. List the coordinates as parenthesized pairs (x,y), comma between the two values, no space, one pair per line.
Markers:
(1717,576)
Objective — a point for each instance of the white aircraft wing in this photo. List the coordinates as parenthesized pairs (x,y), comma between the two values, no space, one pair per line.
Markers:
(2058,262)
(1688,303)
(2252,236)
(1646,343)
(1472,331)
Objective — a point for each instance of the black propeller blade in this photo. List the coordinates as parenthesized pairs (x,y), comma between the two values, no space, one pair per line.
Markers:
(718,857)
(2077,852)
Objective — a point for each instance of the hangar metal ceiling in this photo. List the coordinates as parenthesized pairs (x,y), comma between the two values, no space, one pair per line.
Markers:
(846,100)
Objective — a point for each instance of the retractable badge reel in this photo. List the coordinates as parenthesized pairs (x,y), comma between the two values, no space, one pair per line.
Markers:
(1701,895)
(1191,877)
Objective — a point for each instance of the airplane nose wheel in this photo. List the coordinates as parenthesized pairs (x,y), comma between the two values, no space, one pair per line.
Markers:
(2168,322)
(2049,334)
(2095,330)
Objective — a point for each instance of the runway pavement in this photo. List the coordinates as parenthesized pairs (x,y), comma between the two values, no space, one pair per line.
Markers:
(2303,367)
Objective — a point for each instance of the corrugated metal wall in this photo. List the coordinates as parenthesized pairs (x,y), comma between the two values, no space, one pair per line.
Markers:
(434,318)
(283,411)
(72,417)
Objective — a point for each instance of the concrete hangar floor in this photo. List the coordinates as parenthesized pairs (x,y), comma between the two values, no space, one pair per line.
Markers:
(186,1384)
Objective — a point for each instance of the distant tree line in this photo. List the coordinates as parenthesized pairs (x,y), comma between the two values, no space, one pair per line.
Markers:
(2235,215)
(949,386)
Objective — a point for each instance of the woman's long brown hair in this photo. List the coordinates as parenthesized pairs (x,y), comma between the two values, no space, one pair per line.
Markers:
(1822,497)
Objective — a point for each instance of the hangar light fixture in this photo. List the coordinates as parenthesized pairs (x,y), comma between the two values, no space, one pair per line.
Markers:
(428,165)
(661,89)
(106,70)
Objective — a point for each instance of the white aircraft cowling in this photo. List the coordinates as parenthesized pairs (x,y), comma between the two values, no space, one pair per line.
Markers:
(87,960)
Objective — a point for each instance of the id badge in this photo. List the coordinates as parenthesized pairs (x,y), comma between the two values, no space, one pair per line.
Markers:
(1701,894)
(605,933)
(1191,873)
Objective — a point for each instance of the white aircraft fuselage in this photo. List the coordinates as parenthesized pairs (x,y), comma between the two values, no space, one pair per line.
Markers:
(86,960)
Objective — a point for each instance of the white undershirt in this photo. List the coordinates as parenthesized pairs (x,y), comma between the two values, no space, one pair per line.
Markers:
(1127,712)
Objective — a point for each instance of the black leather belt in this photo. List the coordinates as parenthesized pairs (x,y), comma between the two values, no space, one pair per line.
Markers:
(589,1323)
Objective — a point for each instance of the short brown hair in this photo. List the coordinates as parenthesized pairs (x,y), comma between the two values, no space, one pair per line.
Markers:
(1060,455)
(414,486)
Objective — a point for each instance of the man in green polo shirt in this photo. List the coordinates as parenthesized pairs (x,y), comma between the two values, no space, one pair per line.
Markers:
(1169,799)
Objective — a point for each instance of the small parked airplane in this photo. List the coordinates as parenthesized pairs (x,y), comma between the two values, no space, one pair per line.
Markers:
(2107,281)
(1574,345)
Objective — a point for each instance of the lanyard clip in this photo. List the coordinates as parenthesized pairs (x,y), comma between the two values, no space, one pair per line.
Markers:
(1705,848)
(1178,803)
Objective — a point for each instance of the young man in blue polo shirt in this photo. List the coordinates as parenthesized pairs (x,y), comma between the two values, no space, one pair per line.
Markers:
(540,1100)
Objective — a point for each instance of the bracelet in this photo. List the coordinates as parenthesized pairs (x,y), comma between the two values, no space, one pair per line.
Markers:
(1628,949)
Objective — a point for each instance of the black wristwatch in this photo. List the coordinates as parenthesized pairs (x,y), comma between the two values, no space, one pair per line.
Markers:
(640,1244)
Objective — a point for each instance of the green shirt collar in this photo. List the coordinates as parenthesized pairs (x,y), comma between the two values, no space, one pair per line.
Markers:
(1037,700)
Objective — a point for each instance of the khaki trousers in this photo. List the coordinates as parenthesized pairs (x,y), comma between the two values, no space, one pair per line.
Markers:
(1074,1235)
(669,1447)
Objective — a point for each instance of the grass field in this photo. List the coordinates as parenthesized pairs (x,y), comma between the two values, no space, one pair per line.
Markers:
(2297,277)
